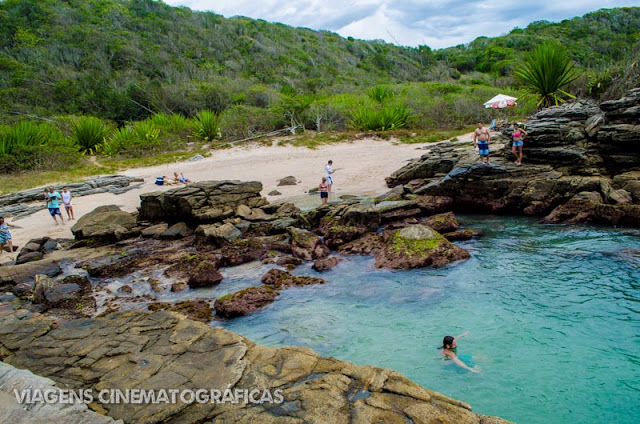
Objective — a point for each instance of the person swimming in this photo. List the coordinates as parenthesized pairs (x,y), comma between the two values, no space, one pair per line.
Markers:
(449,346)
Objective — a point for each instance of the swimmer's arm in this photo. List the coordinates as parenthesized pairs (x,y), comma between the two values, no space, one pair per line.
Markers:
(465,334)
(463,365)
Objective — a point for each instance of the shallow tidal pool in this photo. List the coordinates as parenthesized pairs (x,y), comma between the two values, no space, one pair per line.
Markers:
(553,314)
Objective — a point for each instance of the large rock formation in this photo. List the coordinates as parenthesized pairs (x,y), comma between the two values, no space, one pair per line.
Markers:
(201,202)
(166,351)
(574,149)
(105,224)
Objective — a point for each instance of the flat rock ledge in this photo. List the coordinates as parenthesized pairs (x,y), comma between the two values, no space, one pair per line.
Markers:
(165,350)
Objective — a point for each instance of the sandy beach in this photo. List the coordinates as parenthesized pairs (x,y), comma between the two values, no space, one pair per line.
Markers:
(361,167)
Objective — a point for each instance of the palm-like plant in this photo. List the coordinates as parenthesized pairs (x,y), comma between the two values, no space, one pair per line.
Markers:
(206,125)
(89,133)
(546,70)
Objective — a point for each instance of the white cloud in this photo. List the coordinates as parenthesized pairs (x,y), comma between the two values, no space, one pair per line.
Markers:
(436,23)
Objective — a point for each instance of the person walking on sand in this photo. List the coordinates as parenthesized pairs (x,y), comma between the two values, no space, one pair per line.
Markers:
(53,203)
(481,140)
(449,346)
(66,200)
(328,174)
(518,141)
(323,189)
(5,236)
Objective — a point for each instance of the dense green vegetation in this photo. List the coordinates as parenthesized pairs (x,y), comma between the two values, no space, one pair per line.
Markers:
(135,78)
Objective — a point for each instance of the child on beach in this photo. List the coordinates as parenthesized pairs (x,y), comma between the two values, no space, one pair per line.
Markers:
(66,200)
(323,188)
(5,236)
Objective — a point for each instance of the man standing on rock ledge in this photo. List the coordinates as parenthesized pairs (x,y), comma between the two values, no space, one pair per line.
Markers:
(481,140)
(328,174)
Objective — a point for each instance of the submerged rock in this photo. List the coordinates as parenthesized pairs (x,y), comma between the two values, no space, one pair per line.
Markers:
(279,279)
(326,263)
(205,274)
(417,246)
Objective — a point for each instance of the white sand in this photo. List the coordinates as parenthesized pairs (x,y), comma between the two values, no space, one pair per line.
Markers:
(361,167)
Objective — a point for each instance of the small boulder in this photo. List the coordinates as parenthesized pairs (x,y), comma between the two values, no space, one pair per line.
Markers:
(279,279)
(244,302)
(177,231)
(275,193)
(178,287)
(461,235)
(155,230)
(28,257)
(326,264)
(442,223)
(288,260)
(218,234)
(125,289)
(105,224)
(287,181)
(205,274)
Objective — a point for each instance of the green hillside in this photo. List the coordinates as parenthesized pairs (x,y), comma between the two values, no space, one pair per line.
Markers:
(124,59)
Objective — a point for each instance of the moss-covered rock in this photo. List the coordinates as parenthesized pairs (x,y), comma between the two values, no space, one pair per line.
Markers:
(417,246)
(279,279)
(197,309)
(244,302)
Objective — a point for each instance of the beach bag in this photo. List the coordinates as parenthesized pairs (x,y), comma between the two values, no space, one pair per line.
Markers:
(159,180)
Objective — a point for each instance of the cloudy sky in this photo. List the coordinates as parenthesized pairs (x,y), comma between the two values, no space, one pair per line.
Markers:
(436,23)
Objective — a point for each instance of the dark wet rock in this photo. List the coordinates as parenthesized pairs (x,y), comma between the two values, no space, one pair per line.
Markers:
(72,294)
(177,231)
(205,274)
(588,207)
(28,257)
(275,193)
(342,223)
(462,235)
(154,230)
(166,350)
(251,249)
(196,309)
(277,226)
(105,224)
(439,160)
(287,181)
(288,260)
(279,279)
(50,245)
(253,214)
(417,246)
(369,244)
(31,246)
(120,265)
(201,202)
(396,193)
(307,245)
(442,223)
(431,205)
(218,234)
(11,276)
(326,263)
(178,287)
(126,289)
(244,302)
(398,210)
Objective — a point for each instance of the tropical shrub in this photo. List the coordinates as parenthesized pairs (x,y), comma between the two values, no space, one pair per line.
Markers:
(206,125)
(139,139)
(89,133)
(387,118)
(379,93)
(545,72)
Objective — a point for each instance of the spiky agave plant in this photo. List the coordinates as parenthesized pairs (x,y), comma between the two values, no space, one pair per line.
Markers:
(545,71)
(89,133)
(206,125)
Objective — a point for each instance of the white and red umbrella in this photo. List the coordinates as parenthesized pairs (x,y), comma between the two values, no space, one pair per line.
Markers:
(501,101)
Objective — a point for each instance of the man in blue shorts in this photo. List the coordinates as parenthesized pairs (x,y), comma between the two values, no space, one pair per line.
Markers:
(481,140)
(53,203)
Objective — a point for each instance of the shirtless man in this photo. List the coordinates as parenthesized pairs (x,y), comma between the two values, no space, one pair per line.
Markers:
(481,140)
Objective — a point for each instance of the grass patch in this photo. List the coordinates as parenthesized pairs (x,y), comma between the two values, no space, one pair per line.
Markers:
(314,140)
(435,136)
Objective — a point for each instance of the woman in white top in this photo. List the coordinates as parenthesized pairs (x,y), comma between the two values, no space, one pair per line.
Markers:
(66,199)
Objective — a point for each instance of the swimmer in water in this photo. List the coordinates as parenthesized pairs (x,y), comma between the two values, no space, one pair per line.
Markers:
(449,345)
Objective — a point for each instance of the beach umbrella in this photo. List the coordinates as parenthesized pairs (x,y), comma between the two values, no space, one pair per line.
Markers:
(501,101)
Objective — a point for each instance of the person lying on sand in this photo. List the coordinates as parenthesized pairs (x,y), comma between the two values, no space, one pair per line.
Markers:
(181,178)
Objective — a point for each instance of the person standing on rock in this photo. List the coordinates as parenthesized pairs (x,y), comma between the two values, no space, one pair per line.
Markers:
(328,174)
(518,136)
(481,140)
(449,346)
(53,204)
(323,189)
(66,200)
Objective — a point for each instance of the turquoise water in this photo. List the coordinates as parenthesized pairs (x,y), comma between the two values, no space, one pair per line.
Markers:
(553,314)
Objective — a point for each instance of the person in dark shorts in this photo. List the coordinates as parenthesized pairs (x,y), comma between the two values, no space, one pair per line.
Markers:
(323,188)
